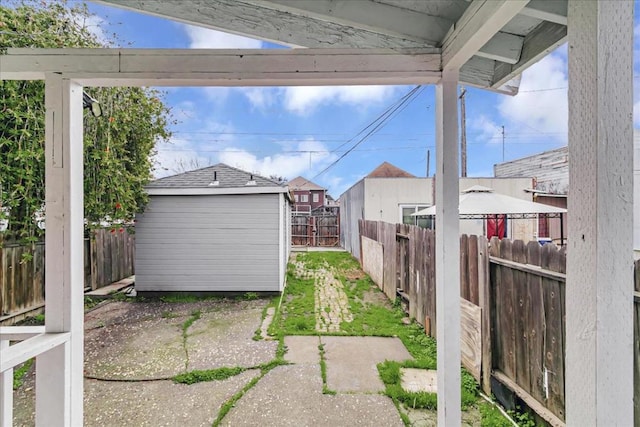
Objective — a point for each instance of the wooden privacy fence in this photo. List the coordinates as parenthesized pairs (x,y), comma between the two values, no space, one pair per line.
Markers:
(108,257)
(512,307)
(315,230)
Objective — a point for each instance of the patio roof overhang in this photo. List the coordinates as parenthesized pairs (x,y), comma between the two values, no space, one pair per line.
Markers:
(501,37)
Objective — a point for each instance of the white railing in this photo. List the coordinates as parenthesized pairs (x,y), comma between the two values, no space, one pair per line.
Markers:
(33,342)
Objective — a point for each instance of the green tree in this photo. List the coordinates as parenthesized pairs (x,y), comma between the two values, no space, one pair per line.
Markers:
(118,147)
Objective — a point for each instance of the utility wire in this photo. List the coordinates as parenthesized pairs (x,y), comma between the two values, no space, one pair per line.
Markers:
(381,122)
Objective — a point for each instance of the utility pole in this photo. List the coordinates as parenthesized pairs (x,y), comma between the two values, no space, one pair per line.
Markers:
(463,133)
(428,162)
(503,143)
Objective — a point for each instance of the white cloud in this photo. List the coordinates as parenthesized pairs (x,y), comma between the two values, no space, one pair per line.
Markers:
(288,164)
(303,100)
(179,155)
(261,98)
(95,25)
(535,108)
(204,38)
(483,129)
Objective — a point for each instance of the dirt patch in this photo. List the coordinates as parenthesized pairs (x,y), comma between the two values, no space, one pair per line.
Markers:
(354,274)
(375,297)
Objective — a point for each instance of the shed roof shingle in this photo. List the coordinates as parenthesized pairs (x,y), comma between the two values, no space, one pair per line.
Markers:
(227,177)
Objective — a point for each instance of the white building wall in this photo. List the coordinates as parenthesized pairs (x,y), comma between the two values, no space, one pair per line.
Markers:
(384,196)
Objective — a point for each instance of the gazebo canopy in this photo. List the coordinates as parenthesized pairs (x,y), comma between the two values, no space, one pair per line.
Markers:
(479,202)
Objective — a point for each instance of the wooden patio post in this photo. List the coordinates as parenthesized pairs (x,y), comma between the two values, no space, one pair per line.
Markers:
(59,372)
(447,250)
(599,294)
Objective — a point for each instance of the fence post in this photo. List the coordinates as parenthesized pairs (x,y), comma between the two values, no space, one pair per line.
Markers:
(484,298)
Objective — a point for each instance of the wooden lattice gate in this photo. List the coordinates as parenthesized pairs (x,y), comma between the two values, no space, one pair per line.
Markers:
(310,230)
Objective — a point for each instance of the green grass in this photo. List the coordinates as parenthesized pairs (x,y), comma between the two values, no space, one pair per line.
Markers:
(323,372)
(180,298)
(198,376)
(296,316)
(195,315)
(229,404)
(89,303)
(20,373)
(491,416)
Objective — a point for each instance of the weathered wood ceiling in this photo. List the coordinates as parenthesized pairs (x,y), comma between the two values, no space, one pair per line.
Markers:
(538,28)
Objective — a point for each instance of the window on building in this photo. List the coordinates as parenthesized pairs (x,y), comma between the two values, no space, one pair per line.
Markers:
(406,212)
(295,197)
(316,197)
(304,198)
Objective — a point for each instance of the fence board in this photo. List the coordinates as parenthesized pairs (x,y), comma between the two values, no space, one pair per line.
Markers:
(536,325)
(470,346)
(373,260)
(464,267)
(472,262)
(554,343)
(506,304)
(388,232)
(484,298)
(521,316)
(22,268)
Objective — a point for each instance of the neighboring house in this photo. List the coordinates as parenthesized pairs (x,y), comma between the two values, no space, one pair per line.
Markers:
(308,196)
(550,172)
(392,195)
(216,229)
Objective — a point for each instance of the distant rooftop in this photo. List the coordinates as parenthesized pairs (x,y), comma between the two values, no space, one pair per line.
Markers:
(216,176)
(301,183)
(387,170)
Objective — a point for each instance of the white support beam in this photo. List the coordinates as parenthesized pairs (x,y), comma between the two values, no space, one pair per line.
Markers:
(261,20)
(25,350)
(447,251)
(503,47)
(547,10)
(6,390)
(59,372)
(19,333)
(393,21)
(599,291)
(221,67)
(537,44)
(482,20)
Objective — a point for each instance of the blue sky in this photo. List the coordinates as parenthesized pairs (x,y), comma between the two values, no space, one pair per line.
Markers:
(301,131)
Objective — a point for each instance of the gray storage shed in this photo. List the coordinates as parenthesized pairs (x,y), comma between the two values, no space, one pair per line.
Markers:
(216,229)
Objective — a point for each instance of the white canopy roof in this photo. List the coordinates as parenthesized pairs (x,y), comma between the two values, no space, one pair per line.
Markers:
(478,201)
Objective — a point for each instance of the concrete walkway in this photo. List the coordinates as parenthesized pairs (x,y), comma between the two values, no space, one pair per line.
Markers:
(133,349)
(293,395)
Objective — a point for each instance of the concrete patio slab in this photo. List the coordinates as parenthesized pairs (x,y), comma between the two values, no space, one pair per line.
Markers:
(145,347)
(302,350)
(224,337)
(351,361)
(158,403)
(292,396)
(417,380)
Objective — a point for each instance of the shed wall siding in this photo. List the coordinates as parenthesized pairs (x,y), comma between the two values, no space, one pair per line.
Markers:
(209,243)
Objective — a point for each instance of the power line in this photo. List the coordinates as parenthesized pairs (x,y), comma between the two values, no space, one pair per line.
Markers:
(381,122)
